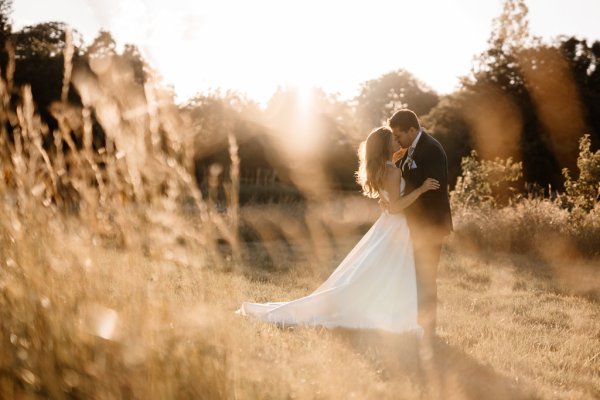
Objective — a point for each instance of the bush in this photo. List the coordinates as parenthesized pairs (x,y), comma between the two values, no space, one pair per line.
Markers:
(564,227)
(482,181)
(584,192)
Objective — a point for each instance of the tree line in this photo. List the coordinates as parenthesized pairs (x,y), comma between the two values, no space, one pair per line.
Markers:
(524,99)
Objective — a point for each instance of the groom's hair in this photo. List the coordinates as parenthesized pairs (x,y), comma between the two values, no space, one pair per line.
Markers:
(404,120)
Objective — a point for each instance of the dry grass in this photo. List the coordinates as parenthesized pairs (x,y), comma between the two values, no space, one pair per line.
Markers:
(511,313)
(101,323)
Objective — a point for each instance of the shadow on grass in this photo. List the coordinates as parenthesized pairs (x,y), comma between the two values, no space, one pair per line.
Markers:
(560,271)
(559,275)
(440,371)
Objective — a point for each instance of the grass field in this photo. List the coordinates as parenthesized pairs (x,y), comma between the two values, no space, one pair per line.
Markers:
(96,322)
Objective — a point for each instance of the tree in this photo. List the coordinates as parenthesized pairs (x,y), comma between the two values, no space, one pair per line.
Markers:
(527,99)
(104,45)
(141,69)
(380,97)
(213,117)
(39,57)
(533,79)
(43,41)
(448,125)
(584,63)
(318,133)
(6,8)
(487,113)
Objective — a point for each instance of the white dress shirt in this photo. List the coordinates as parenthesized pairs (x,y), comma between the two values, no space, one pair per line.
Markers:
(411,149)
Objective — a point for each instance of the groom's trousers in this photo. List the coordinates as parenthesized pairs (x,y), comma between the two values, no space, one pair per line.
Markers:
(427,249)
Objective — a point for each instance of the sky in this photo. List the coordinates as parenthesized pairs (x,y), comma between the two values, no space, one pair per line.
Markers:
(255,46)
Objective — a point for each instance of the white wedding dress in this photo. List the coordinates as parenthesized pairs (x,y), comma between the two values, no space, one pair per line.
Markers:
(374,287)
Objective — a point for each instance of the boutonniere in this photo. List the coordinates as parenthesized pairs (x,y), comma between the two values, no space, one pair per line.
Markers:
(397,156)
(409,161)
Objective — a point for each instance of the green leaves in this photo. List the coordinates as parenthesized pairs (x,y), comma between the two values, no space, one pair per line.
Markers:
(584,192)
(483,181)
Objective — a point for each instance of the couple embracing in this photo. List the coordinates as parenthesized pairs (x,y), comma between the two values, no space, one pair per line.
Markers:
(388,280)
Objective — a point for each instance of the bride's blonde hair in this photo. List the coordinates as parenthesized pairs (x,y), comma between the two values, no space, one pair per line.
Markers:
(372,155)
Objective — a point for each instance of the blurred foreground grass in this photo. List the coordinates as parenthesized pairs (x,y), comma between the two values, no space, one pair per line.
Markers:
(101,323)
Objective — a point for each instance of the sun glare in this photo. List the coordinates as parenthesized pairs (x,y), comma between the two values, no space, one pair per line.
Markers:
(265,45)
(254,47)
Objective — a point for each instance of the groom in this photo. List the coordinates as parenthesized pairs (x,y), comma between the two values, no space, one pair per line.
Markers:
(429,217)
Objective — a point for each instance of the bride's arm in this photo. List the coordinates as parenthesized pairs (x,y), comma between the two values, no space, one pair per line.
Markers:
(397,202)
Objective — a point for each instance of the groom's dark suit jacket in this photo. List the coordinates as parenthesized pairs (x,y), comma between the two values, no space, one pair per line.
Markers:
(431,211)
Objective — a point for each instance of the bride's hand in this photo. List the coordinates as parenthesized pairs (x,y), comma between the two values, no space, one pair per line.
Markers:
(430,184)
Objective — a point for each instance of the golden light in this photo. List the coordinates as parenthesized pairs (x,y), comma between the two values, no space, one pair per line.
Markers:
(293,113)
(496,123)
(256,47)
(558,103)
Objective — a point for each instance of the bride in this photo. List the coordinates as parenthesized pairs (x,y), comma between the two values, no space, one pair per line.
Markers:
(374,287)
